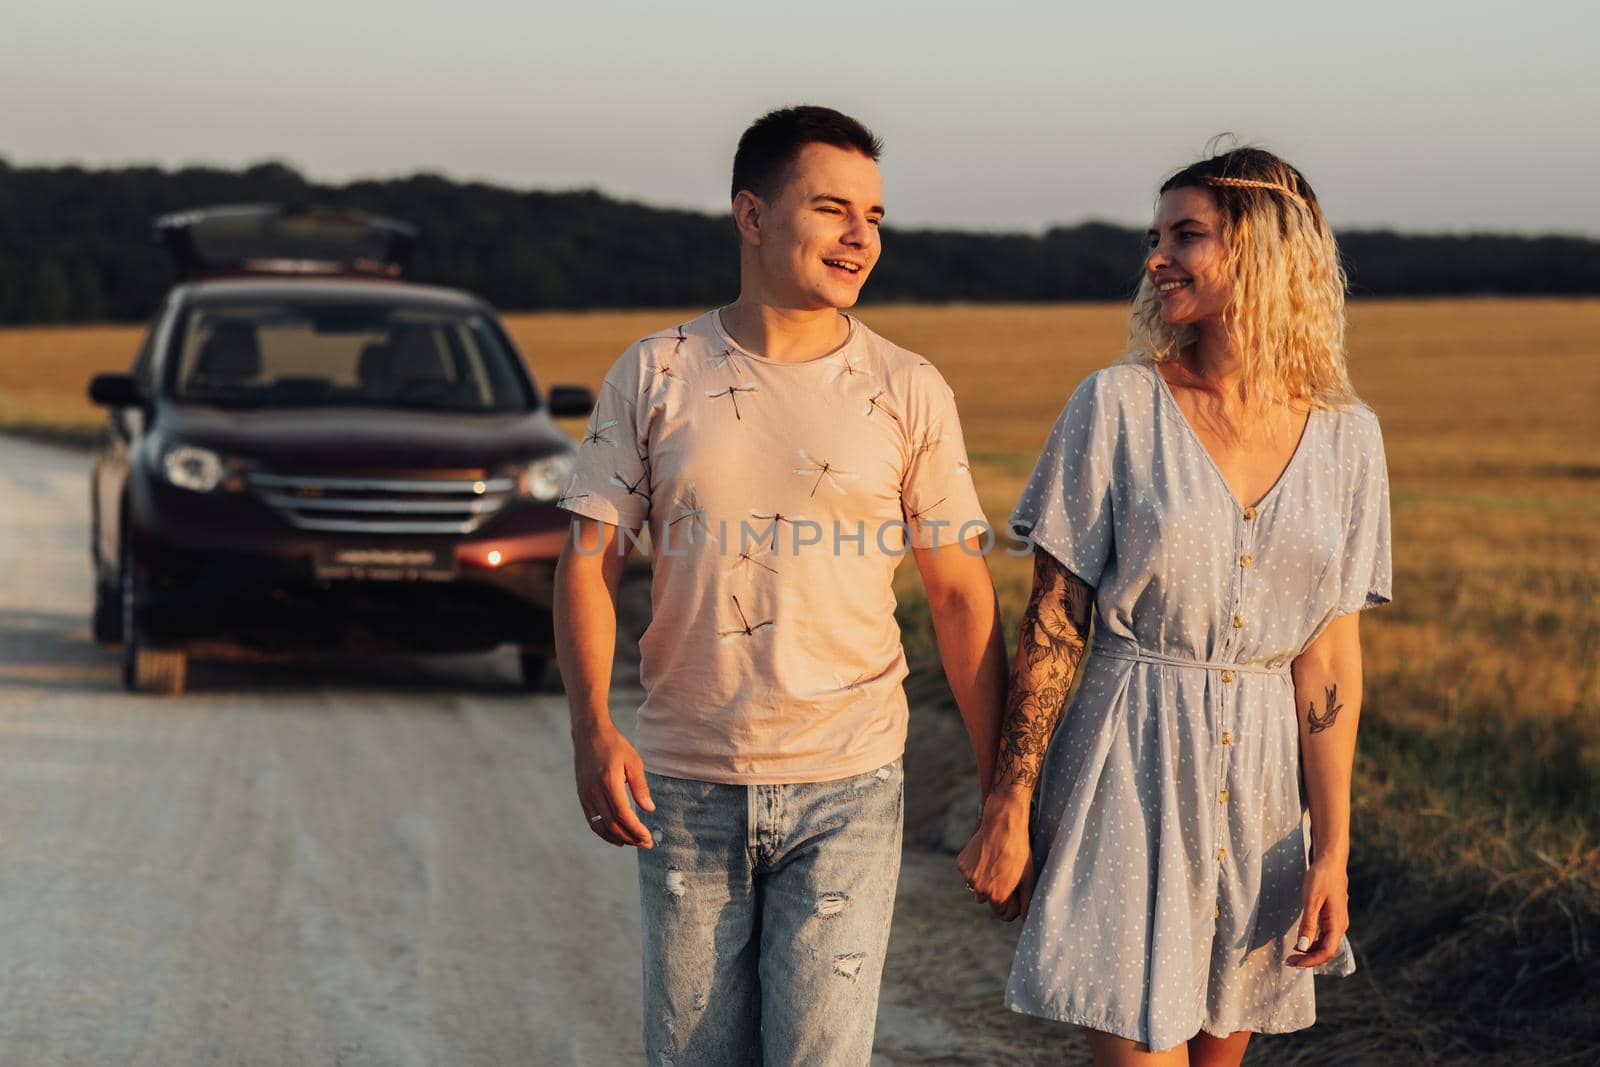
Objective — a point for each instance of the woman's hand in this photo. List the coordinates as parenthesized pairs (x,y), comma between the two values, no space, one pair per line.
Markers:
(1325,903)
(997,862)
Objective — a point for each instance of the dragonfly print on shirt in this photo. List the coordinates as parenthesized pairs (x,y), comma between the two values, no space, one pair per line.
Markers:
(677,339)
(776,518)
(930,441)
(876,403)
(746,628)
(822,470)
(568,497)
(850,690)
(597,432)
(846,369)
(693,515)
(728,359)
(732,393)
(662,367)
(748,563)
(850,686)
(802,501)
(916,510)
(634,487)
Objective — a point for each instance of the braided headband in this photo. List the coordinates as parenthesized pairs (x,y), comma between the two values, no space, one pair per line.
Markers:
(1251,183)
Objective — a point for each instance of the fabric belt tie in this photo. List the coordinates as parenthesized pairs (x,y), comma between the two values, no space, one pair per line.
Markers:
(1122,648)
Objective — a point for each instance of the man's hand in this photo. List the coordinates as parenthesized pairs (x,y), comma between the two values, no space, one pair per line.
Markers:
(585,613)
(608,769)
(997,862)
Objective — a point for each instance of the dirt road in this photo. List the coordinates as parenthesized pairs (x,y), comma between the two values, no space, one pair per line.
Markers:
(376,862)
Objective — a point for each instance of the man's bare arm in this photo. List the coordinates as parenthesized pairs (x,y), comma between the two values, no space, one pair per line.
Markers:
(606,766)
(966,622)
(1050,646)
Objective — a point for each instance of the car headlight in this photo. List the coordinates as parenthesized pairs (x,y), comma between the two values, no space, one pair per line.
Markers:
(544,479)
(189,467)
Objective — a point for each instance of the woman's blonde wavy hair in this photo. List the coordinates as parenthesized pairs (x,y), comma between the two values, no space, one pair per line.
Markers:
(1286,312)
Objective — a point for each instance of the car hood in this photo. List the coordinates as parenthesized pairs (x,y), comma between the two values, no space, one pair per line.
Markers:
(322,439)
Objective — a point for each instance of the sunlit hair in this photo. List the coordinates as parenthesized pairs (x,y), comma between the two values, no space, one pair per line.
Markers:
(768,148)
(1285,316)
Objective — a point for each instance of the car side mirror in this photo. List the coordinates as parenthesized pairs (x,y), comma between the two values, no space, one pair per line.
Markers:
(115,390)
(575,400)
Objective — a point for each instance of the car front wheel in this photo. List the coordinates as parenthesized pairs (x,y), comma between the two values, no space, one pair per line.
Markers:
(107,613)
(533,663)
(145,668)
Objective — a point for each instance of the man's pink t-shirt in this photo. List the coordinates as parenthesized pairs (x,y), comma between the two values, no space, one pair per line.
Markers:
(780,497)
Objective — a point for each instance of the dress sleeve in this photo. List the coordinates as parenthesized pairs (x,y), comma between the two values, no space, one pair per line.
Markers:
(611,474)
(936,494)
(1365,573)
(1065,508)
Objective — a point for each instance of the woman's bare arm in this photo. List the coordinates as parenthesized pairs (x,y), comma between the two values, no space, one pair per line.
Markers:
(1050,645)
(1327,687)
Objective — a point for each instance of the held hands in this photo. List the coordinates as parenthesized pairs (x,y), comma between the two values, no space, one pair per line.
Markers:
(1325,900)
(997,862)
(608,769)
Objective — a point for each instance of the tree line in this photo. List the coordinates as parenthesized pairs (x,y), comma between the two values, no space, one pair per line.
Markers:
(76,245)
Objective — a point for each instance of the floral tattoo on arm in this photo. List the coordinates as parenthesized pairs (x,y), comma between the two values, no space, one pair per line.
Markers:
(1050,645)
(1321,722)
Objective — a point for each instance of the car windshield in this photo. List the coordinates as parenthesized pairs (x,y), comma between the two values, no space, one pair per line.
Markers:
(283,355)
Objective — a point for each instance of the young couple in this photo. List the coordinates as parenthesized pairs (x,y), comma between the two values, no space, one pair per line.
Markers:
(1216,503)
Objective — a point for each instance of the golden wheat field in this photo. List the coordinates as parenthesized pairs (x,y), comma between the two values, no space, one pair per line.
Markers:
(1491,416)
(1476,870)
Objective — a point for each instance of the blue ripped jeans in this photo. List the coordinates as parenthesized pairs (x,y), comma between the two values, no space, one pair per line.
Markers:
(766,916)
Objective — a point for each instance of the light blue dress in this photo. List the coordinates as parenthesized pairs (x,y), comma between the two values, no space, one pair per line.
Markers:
(1172,836)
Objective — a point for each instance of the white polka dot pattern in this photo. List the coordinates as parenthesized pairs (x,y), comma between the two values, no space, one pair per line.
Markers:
(1172,836)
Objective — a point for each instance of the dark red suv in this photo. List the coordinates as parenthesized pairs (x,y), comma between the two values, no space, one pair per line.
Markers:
(310,452)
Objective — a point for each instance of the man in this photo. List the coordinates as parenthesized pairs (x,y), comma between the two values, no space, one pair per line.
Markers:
(781,454)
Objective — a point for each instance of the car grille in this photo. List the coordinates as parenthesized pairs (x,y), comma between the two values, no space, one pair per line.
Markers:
(383,505)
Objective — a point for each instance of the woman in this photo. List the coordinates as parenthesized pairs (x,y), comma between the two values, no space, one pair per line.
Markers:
(1218,503)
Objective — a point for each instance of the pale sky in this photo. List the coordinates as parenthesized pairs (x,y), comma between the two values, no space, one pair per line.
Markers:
(995,114)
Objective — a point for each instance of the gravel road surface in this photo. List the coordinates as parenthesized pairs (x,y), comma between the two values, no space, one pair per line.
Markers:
(376,861)
(367,862)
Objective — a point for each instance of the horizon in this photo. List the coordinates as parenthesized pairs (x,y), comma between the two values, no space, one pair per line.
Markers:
(1418,118)
(460,180)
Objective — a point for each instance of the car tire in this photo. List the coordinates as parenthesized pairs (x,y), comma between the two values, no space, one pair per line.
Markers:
(146,668)
(533,663)
(107,618)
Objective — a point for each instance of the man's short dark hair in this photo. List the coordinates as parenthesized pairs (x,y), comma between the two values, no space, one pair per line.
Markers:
(769,146)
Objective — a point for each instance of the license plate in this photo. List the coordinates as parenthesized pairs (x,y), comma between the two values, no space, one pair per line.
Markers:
(387,563)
